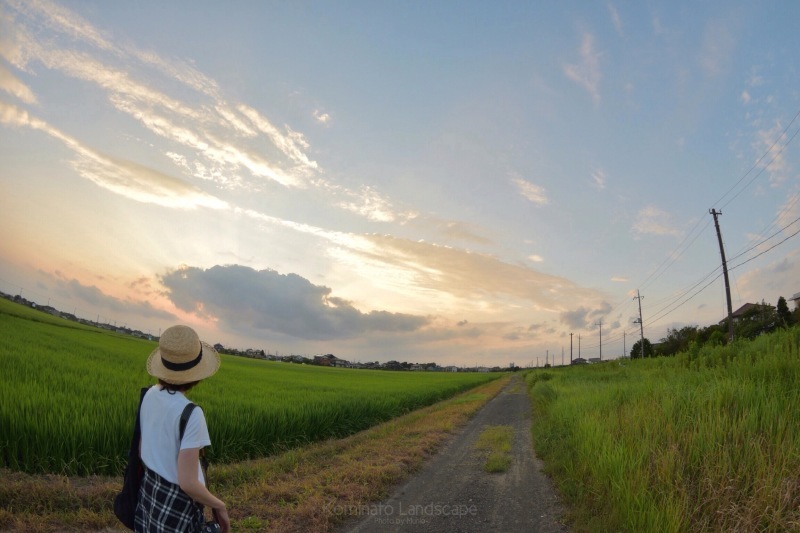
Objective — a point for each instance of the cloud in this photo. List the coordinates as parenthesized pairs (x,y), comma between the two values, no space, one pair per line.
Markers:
(587,72)
(71,289)
(745,97)
(368,203)
(530,191)
(583,317)
(615,19)
(599,179)
(536,258)
(13,86)
(653,221)
(126,178)
(322,118)
(770,142)
(716,49)
(216,139)
(619,279)
(246,300)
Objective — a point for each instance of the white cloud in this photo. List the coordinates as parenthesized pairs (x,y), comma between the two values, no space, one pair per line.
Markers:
(718,45)
(218,138)
(653,221)
(619,279)
(745,97)
(615,19)
(13,86)
(536,258)
(322,118)
(587,72)
(370,204)
(599,179)
(126,178)
(770,142)
(532,192)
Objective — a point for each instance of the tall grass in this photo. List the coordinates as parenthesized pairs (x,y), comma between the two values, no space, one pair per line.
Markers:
(706,440)
(68,397)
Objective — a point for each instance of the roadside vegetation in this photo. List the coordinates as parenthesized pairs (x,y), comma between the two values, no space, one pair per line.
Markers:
(68,398)
(705,440)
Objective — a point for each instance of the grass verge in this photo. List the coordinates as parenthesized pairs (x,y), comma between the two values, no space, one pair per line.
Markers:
(306,489)
(703,441)
(496,441)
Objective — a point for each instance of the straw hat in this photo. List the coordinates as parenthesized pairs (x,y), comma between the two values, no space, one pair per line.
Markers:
(181,357)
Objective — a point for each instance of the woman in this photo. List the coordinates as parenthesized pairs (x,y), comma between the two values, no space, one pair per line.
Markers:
(173,490)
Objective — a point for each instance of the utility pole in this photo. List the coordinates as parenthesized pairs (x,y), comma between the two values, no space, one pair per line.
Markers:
(714,213)
(624,335)
(570,348)
(600,323)
(546,357)
(641,324)
(579,346)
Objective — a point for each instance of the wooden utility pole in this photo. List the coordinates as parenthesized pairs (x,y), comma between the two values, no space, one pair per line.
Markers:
(641,323)
(600,323)
(714,213)
(570,348)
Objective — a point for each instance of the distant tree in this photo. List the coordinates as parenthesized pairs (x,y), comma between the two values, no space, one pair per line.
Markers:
(636,351)
(677,340)
(717,338)
(784,315)
(761,318)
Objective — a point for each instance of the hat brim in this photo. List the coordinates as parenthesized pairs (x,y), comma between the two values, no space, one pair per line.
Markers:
(207,367)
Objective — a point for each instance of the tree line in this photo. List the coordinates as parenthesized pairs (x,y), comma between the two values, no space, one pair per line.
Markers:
(757,320)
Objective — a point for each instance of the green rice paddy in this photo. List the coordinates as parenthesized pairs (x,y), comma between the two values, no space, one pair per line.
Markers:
(69,392)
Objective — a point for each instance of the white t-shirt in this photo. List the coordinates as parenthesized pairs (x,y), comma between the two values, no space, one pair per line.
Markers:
(160,417)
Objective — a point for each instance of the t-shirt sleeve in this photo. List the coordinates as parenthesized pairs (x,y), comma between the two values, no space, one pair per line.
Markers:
(196,433)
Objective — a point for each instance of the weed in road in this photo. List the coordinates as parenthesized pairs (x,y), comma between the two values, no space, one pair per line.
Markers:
(496,440)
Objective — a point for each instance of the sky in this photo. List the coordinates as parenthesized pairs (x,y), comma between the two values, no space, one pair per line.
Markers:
(467,183)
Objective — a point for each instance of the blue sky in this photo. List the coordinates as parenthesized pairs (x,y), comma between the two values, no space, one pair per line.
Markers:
(460,182)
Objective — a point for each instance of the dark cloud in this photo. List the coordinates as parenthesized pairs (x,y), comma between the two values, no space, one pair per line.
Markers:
(244,299)
(73,289)
(583,317)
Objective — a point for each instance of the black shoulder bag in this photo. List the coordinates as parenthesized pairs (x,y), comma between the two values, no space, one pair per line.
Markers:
(125,502)
(212,526)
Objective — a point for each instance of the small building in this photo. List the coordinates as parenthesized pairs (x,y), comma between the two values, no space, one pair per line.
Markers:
(331,360)
(796,300)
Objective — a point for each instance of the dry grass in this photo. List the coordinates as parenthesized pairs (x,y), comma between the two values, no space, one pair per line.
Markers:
(303,489)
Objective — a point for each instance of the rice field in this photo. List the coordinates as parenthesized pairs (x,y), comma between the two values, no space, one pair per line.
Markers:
(68,397)
(704,441)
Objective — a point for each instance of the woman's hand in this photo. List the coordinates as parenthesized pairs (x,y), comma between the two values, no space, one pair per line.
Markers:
(223,518)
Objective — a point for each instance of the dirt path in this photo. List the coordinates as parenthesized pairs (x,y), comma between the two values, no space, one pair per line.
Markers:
(453,493)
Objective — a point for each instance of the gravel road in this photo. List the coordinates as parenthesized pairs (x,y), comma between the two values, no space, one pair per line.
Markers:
(452,493)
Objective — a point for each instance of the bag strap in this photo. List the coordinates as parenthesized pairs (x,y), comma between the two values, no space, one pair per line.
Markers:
(187,412)
(134,451)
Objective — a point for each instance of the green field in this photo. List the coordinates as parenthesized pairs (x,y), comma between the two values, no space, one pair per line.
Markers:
(68,397)
(704,441)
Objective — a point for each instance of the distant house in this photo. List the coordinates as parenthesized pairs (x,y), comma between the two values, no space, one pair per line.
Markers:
(579,361)
(595,360)
(330,360)
(749,312)
(796,300)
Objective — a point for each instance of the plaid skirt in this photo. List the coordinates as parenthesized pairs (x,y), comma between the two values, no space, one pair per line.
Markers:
(164,508)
